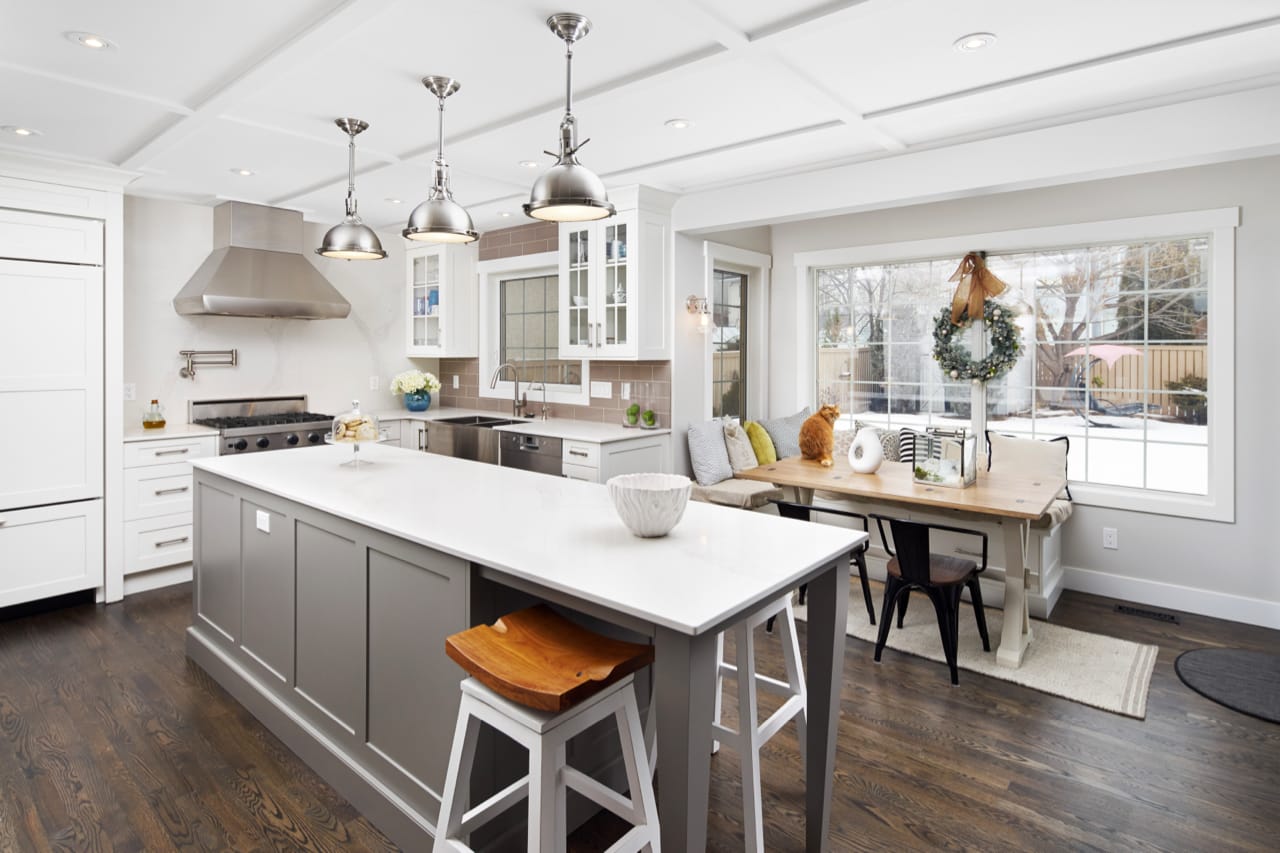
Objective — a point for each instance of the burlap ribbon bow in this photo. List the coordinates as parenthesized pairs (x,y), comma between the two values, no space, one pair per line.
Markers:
(976,283)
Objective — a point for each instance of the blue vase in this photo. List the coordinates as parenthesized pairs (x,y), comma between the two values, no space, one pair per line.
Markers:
(417,401)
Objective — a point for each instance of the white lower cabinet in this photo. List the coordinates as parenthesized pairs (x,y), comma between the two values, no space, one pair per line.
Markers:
(596,462)
(393,430)
(50,550)
(157,507)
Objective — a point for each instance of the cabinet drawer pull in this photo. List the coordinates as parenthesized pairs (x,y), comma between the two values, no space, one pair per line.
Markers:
(174,491)
(581,453)
(173,452)
(3,522)
(177,541)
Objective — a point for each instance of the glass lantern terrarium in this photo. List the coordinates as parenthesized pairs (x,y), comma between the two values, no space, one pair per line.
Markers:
(355,428)
(946,457)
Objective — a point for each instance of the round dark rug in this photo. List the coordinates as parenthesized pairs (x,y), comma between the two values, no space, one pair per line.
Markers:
(1245,681)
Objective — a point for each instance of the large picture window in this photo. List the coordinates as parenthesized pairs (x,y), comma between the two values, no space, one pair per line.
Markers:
(1116,354)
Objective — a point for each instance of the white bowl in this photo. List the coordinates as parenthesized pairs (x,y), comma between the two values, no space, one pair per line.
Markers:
(650,504)
(578,300)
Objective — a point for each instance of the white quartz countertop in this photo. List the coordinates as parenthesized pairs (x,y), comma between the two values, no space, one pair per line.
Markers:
(568,428)
(169,430)
(560,533)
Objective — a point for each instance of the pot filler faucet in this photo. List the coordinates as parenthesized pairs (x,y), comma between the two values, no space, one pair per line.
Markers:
(517,405)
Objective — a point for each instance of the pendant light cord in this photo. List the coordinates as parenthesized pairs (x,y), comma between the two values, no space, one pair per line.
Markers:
(568,78)
(440,134)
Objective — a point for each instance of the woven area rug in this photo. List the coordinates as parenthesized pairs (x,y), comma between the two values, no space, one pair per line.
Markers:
(1092,669)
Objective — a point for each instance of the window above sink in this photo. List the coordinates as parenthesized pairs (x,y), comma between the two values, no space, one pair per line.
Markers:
(519,324)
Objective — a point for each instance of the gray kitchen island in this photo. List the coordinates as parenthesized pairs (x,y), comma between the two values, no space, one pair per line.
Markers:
(323,592)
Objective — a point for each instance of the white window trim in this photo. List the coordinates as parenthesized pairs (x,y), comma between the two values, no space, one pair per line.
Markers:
(1220,224)
(756,266)
(489,274)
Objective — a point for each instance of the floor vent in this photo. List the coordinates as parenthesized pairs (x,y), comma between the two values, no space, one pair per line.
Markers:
(1158,615)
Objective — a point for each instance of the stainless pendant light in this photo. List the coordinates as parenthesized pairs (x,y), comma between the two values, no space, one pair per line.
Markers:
(440,219)
(569,191)
(351,239)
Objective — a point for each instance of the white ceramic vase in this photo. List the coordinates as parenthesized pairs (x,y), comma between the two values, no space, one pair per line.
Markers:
(866,454)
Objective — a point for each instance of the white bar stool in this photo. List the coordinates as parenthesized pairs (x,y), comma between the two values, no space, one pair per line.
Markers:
(541,680)
(750,738)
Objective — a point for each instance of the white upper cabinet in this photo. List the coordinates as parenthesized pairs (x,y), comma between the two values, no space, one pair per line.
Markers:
(440,301)
(615,287)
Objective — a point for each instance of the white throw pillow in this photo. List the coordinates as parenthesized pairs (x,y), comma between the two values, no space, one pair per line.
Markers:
(1029,456)
(707,453)
(741,456)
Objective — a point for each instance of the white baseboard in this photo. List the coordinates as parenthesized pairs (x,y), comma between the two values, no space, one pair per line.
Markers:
(156,578)
(1219,605)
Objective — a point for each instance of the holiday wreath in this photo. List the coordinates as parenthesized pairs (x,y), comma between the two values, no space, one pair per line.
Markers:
(954,358)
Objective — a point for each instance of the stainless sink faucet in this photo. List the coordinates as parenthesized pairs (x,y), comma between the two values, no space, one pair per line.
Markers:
(517,405)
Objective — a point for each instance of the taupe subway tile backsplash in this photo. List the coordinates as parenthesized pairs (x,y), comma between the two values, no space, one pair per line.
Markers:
(656,373)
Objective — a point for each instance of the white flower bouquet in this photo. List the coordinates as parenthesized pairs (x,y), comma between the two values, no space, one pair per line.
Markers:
(413,382)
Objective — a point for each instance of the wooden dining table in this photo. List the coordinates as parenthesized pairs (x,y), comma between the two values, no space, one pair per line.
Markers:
(1016,500)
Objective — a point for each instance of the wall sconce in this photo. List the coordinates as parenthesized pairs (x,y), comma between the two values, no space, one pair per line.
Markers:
(698,305)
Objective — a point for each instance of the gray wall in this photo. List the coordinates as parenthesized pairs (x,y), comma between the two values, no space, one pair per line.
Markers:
(1225,569)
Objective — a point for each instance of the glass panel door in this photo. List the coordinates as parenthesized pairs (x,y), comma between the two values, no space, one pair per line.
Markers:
(418,307)
(579,274)
(728,351)
(617,291)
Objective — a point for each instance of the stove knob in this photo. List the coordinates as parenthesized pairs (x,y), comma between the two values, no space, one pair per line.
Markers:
(263,442)
(313,437)
(239,444)
(291,439)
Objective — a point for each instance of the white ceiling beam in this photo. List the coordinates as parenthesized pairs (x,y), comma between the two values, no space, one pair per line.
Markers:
(1085,65)
(93,85)
(319,36)
(337,139)
(739,43)
(1227,127)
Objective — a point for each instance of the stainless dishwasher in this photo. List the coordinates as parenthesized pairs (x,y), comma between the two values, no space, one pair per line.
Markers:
(530,452)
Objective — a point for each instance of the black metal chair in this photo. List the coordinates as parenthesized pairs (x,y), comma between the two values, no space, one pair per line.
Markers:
(940,576)
(801,512)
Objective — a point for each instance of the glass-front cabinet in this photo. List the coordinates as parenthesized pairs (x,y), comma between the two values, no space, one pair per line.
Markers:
(441,306)
(613,290)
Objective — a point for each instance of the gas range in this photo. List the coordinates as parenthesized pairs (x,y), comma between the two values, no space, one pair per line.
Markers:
(254,424)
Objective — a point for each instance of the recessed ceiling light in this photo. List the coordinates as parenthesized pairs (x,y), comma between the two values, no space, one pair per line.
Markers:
(974,41)
(394,200)
(529,164)
(244,173)
(504,213)
(89,40)
(20,131)
(678,123)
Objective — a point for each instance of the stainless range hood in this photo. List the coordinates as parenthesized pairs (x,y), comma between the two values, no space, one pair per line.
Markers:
(257,269)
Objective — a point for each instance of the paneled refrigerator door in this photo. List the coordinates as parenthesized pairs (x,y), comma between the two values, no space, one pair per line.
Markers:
(51,421)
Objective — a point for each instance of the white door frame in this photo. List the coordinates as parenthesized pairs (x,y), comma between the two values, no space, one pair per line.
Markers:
(756,266)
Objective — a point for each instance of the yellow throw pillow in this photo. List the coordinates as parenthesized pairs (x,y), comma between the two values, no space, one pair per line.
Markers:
(761,443)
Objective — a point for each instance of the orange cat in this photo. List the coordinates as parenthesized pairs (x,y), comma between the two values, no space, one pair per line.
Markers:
(817,435)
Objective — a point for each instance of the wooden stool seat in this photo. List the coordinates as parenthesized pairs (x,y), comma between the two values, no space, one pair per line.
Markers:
(541,680)
(537,658)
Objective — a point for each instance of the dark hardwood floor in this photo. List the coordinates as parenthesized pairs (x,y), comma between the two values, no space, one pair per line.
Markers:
(111,740)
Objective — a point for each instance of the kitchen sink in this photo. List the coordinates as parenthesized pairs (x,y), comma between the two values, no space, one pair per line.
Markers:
(466,436)
(477,420)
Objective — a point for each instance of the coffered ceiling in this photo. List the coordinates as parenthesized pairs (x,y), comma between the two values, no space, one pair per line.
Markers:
(188,93)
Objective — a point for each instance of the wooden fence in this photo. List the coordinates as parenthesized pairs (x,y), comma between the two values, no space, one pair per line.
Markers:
(841,372)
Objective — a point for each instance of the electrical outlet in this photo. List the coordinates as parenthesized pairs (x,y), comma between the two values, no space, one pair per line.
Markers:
(130,392)
(1110,538)
(455,382)
(262,520)
(626,391)
(373,383)
(602,390)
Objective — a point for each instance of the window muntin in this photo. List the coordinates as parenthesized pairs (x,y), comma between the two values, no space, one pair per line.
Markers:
(1116,354)
(529,329)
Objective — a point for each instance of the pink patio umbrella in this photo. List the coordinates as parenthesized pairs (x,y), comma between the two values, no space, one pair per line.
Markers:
(1110,353)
